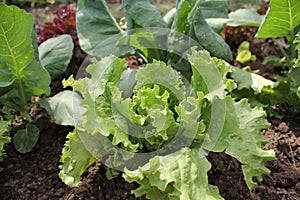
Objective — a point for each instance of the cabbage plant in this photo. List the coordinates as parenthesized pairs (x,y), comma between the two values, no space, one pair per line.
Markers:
(25,72)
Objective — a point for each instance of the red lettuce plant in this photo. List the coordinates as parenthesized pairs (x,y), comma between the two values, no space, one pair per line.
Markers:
(63,23)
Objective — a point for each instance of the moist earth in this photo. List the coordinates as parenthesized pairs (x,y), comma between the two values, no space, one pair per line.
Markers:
(35,175)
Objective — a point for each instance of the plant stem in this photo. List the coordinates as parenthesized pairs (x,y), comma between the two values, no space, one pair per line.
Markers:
(292,44)
(283,53)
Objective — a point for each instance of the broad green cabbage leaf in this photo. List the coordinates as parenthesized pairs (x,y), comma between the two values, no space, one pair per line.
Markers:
(55,54)
(281,19)
(64,108)
(244,17)
(204,34)
(143,13)
(23,76)
(95,25)
(25,139)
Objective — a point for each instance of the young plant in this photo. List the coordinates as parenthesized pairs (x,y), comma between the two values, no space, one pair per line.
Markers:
(63,23)
(23,72)
(22,75)
(244,54)
(282,20)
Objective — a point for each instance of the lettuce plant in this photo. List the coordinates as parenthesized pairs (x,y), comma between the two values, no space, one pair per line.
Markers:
(157,128)
(63,23)
(152,123)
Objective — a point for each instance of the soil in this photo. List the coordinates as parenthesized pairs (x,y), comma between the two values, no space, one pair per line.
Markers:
(35,175)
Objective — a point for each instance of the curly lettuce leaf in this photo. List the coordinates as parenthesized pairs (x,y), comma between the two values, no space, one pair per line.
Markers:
(97,93)
(180,175)
(164,76)
(150,106)
(263,92)
(4,139)
(108,123)
(241,138)
(206,76)
(75,160)
(109,69)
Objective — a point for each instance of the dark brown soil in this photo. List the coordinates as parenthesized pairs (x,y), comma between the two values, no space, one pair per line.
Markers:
(35,175)
(283,181)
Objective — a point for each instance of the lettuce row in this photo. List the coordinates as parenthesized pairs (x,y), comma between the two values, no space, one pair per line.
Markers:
(162,111)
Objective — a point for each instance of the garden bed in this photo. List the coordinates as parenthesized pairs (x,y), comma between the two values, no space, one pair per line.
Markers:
(35,174)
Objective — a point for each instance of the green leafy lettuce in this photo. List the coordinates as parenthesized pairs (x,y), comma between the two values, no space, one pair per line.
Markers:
(159,131)
(4,137)
(180,175)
